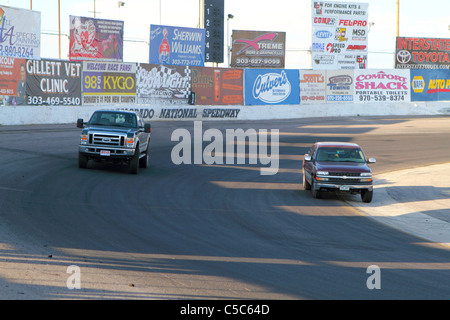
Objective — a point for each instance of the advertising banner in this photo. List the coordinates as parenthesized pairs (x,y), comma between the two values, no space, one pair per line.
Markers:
(218,86)
(95,39)
(340,86)
(161,84)
(109,83)
(272,86)
(312,86)
(339,35)
(177,46)
(12,81)
(422,53)
(258,49)
(20,33)
(382,85)
(53,82)
(430,85)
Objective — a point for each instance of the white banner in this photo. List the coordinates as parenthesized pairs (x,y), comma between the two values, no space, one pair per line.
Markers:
(340,86)
(339,35)
(389,85)
(312,86)
(20,33)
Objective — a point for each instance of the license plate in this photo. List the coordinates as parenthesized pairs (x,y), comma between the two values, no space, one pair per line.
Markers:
(105,153)
(344,188)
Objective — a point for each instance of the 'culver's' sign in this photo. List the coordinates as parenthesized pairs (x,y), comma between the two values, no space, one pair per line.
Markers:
(272,86)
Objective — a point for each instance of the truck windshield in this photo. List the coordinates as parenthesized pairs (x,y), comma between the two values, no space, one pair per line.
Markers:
(327,154)
(116,119)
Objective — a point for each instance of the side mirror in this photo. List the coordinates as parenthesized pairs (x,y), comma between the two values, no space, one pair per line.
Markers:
(147,128)
(372,160)
(80,123)
(307,157)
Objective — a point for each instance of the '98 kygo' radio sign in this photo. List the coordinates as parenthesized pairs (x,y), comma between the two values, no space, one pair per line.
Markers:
(109,82)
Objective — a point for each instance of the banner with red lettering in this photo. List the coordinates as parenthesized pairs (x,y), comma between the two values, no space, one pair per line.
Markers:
(430,85)
(388,85)
(422,53)
(312,86)
(339,35)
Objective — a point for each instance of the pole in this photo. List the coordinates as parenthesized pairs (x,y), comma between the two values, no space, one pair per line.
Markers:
(228,41)
(59,27)
(398,16)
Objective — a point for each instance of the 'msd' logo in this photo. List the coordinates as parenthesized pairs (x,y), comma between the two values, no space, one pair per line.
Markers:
(323,34)
(272,87)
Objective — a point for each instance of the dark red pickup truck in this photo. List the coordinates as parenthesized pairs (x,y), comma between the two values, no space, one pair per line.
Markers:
(338,167)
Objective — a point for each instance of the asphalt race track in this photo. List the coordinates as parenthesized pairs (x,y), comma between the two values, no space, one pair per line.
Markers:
(210,231)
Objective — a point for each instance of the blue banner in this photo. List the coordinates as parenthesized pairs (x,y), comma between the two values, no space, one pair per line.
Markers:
(430,85)
(272,86)
(177,46)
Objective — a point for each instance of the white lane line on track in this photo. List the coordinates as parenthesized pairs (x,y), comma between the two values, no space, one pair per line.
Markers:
(405,214)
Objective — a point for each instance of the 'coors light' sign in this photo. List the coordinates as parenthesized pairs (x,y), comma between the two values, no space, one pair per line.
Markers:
(162,84)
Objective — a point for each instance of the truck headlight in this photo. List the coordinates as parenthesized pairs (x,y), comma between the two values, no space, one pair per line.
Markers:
(129,142)
(320,175)
(366,177)
(84,139)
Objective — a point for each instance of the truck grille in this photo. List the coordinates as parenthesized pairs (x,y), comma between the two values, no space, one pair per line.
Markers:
(344,181)
(346,174)
(106,140)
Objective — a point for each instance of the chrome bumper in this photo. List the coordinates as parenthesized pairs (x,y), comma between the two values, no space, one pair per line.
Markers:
(113,152)
(342,187)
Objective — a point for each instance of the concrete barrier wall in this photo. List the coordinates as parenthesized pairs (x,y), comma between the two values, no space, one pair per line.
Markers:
(24,115)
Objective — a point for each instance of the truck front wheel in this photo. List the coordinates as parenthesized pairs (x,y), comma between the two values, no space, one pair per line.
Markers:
(315,193)
(82,161)
(143,162)
(366,196)
(134,162)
